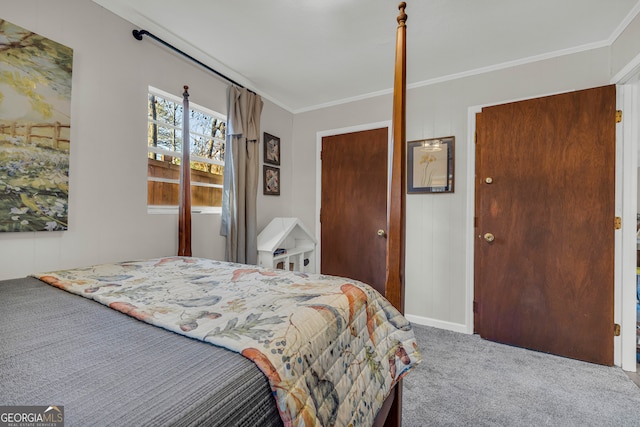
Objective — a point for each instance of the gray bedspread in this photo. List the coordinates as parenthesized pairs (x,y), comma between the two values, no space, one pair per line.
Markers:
(107,368)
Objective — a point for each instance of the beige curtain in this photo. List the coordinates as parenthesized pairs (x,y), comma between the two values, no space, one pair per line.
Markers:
(241,167)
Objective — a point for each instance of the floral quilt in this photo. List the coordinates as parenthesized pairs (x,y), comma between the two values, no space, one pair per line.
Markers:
(332,348)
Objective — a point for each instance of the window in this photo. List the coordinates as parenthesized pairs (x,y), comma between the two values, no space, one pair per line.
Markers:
(206,140)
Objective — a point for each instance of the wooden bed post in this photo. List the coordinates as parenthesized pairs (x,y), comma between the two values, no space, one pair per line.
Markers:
(184,208)
(394,283)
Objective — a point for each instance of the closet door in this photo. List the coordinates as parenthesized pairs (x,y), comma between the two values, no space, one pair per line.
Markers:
(544,253)
(354,206)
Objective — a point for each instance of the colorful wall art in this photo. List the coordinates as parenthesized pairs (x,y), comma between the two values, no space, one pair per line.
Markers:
(35,108)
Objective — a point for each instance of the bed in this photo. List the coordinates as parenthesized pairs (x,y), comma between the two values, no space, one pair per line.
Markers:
(268,365)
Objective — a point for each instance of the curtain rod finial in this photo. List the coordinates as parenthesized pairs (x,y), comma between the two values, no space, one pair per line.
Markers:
(186,91)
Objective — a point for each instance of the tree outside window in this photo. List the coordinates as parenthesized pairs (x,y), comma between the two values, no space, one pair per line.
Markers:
(206,141)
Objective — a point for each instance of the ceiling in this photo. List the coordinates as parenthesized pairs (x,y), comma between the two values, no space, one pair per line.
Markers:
(306,54)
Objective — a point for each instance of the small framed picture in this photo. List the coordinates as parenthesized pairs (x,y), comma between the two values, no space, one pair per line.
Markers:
(271,181)
(271,149)
(430,165)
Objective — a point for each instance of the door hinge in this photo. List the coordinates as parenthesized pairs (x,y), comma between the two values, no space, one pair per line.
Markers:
(616,330)
(617,223)
(475,137)
(475,222)
(475,306)
(618,116)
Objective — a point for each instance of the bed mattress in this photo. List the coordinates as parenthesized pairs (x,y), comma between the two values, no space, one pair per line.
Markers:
(108,369)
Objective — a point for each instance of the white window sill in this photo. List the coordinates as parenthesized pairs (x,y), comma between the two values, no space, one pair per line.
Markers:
(173,210)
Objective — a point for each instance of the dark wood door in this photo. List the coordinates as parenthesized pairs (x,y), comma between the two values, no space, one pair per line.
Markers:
(354,206)
(545,181)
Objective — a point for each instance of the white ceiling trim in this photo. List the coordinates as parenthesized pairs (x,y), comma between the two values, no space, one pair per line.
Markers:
(496,67)
(470,73)
(625,23)
(511,64)
(123,10)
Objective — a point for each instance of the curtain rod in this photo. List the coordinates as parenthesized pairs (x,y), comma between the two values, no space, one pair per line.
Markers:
(138,34)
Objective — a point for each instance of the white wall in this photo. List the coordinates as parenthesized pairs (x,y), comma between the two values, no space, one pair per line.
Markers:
(108,218)
(625,58)
(437,270)
(626,48)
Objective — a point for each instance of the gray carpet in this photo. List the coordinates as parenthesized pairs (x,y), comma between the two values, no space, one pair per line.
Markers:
(464,380)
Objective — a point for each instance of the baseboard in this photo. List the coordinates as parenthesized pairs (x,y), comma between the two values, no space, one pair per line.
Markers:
(441,324)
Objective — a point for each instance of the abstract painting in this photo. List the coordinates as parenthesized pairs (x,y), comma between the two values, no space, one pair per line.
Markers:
(35,109)
(271,181)
(271,149)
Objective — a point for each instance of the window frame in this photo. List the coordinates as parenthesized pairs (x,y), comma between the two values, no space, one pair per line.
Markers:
(173,209)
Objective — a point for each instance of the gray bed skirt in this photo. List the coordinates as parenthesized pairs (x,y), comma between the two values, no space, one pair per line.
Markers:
(107,368)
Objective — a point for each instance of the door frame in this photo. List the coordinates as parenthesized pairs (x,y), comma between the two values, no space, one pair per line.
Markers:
(628,99)
(340,131)
(625,206)
(626,242)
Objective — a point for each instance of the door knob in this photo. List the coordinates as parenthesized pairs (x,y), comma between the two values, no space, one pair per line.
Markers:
(382,233)
(489,237)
